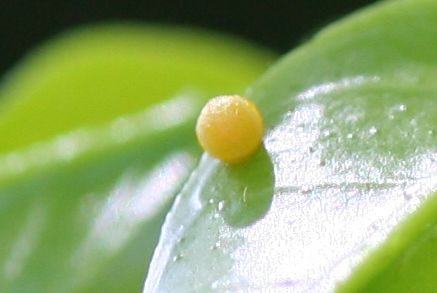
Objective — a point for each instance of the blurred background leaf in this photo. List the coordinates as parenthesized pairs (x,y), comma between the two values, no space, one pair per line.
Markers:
(97,136)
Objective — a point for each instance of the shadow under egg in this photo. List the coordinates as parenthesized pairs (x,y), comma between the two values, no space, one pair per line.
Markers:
(247,195)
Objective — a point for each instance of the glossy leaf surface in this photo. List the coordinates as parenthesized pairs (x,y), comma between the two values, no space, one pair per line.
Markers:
(350,152)
(97,137)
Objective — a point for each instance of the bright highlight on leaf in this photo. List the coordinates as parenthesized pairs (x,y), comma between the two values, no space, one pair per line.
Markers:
(230,128)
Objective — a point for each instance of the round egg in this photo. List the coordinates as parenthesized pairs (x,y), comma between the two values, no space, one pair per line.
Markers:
(230,128)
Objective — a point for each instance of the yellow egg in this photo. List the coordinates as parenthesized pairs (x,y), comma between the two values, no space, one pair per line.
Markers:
(230,128)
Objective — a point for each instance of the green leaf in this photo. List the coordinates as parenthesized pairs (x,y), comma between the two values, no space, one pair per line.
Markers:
(98,73)
(352,143)
(406,261)
(97,137)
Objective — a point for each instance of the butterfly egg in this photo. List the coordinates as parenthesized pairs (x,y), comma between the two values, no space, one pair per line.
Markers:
(230,128)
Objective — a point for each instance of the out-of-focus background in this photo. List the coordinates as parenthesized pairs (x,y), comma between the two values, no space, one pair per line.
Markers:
(279,25)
